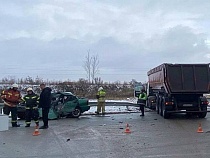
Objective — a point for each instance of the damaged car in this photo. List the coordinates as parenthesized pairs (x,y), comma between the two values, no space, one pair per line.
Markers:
(63,104)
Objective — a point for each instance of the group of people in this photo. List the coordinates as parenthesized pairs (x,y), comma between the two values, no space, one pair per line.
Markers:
(142,98)
(12,97)
(33,102)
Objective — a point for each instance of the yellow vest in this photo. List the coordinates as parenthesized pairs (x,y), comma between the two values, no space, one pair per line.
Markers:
(143,96)
(101,95)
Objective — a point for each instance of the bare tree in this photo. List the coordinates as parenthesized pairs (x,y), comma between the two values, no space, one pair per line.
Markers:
(87,65)
(38,80)
(91,66)
(94,67)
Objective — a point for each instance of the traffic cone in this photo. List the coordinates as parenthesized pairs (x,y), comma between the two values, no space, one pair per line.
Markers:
(127,129)
(36,131)
(200,130)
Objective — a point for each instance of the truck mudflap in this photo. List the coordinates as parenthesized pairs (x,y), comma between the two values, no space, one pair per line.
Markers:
(200,114)
(201,111)
(185,111)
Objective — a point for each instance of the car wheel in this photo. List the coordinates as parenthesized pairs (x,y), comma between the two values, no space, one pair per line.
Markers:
(76,113)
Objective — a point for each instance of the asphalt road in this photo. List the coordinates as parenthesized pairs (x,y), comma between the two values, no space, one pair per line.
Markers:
(93,136)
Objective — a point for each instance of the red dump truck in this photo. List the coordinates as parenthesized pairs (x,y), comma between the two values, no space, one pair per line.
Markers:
(179,88)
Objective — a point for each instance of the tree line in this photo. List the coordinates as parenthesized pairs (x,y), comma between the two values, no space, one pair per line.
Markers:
(81,88)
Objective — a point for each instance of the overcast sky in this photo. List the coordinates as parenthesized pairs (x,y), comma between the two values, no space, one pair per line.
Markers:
(50,38)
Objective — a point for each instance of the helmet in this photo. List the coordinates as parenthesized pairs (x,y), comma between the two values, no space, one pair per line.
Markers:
(14,85)
(29,89)
(100,88)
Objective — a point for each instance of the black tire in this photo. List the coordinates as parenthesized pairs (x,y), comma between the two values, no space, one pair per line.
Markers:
(202,115)
(166,115)
(147,104)
(157,108)
(161,107)
(76,113)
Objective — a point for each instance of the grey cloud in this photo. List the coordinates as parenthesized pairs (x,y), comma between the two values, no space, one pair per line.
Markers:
(177,45)
(51,38)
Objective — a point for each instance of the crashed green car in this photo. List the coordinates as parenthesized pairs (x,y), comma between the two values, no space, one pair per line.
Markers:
(64,104)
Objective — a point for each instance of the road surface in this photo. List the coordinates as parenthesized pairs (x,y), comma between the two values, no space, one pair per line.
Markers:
(93,136)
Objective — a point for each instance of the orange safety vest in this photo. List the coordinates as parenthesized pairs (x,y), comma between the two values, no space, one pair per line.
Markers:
(11,97)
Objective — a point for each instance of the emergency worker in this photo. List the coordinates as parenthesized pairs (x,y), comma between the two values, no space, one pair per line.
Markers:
(31,101)
(142,101)
(101,101)
(11,98)
(45,104)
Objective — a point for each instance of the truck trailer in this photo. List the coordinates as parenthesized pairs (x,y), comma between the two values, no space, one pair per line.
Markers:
(179,88)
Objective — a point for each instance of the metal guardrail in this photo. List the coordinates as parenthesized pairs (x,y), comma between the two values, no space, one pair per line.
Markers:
(114,104)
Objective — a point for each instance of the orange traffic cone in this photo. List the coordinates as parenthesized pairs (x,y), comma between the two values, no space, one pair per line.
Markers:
(200,130)
(127,129)
(36,131)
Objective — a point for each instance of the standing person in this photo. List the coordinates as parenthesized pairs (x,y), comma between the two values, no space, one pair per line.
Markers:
(11,98)
(45,102)
(101,101)
(31,101)
(142,101)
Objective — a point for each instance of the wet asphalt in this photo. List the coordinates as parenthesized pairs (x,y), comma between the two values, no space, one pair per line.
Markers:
(92,136)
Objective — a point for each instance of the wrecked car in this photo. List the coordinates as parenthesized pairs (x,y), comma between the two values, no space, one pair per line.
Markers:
(63,104)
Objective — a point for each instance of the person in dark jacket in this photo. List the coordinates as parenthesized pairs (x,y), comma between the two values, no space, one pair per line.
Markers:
(45,103)
(31,101)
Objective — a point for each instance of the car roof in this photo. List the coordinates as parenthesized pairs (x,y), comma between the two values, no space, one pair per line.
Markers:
(63,93)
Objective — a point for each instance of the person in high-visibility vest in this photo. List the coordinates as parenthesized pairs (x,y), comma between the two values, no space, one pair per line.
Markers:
(101,101)
(31,101)
(142,101)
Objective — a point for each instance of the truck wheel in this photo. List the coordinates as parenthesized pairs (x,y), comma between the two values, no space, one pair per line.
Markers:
(161,108)
(202,115)
(158,104)
(157,108)
(148,105)
(166,115)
